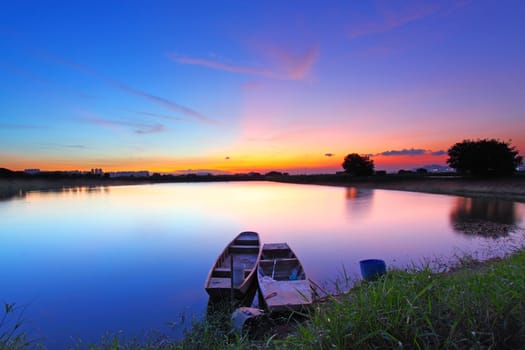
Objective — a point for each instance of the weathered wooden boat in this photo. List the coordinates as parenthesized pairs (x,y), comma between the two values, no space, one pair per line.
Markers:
(282,281)
(244,252)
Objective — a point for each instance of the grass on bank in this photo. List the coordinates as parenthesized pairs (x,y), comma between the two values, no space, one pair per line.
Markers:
(476,307)
(469,309)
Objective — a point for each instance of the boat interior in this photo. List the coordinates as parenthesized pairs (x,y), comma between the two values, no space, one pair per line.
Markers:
(244,250)
(280,263)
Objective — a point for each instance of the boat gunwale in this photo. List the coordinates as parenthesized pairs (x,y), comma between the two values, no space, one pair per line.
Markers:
(243,287)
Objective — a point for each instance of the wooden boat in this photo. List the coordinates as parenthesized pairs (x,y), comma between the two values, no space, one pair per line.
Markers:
(244,251)
(282,281)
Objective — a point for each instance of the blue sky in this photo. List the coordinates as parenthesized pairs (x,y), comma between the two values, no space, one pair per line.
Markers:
(237,86)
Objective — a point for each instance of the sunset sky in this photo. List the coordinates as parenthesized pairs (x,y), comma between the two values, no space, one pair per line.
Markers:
(236,86)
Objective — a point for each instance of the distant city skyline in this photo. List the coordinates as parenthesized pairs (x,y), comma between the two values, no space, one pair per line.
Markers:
(234,87)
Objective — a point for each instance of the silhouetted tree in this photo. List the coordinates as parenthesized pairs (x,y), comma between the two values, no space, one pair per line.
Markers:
(357,165)
(5,172)
(487,157)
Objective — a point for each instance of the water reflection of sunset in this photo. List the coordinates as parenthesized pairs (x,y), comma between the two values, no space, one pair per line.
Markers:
(151,246)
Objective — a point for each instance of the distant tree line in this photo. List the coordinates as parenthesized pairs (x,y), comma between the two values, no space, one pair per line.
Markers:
(480,158)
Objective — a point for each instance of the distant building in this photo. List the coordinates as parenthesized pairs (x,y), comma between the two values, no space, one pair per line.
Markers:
(97,171)
(116,174)
(31,171)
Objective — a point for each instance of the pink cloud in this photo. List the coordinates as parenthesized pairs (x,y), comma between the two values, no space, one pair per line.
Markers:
(392,18)
(296,67)
(287,65)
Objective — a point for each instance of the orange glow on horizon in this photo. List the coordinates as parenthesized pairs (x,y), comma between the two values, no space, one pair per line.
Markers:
(232,164)
(252,159)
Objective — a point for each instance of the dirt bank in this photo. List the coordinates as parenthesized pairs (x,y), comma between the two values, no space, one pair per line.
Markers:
(512,188)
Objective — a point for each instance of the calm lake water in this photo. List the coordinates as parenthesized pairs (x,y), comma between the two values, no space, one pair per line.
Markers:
(85,262)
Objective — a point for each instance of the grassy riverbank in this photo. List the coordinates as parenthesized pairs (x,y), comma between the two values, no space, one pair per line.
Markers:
(468,309)
(479,306)
(510,188)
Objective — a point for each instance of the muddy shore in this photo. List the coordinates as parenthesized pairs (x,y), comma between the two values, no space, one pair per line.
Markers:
(512,188)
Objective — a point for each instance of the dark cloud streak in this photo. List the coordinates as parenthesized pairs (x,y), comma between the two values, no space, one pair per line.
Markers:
(167,117)
(58,145)
(404,152)
(411,152)
(163,102)
(139,128)
(131,90)
(21,126)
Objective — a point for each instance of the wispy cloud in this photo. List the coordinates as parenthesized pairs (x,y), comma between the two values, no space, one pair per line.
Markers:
(296,67)
(138,128)
(286,66)
(411,152)
(21,126)
(164,102)
(59,145)
(161,116)
(222,66)
(391,18)
(150,129)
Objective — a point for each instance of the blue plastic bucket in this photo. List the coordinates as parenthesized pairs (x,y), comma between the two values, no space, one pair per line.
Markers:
(372,268)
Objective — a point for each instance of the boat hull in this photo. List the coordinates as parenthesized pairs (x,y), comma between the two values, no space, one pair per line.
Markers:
(282,282)
(237,264)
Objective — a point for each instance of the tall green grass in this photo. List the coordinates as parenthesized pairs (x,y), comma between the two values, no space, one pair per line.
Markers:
(12,335)
(480,309)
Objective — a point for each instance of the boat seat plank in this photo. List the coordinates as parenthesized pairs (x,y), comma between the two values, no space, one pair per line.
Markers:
(244,249)
(247,242)
(280,261)
(219,282)
(221,272)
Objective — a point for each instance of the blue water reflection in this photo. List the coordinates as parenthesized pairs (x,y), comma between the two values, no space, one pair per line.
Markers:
(132,258)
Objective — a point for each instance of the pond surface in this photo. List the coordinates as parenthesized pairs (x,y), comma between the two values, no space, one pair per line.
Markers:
(88,261)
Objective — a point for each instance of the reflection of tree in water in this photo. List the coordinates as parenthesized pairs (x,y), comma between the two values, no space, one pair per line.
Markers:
(484,217)
(358,200)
